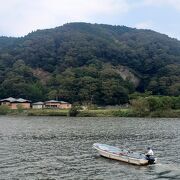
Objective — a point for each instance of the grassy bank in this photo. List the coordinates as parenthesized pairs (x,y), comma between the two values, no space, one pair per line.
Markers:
(47,112)
(129,112)
(34,112)
(106,113)
(166,114)
(82,113)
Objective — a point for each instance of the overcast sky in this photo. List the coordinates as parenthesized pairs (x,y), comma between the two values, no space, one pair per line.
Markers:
(19,17)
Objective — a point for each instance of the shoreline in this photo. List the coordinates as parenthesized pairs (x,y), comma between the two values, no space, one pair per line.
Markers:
(96,113)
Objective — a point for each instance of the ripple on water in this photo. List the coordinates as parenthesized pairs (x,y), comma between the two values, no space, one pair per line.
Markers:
(61,148)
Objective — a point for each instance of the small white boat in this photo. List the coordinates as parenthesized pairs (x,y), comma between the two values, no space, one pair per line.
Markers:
(123,155)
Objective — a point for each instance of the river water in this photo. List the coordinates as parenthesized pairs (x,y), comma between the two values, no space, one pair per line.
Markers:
(61,147)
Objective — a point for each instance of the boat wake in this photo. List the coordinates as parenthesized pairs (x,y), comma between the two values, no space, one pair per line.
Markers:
(166,171)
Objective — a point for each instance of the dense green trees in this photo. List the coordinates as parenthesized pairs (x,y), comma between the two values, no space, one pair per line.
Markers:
(144,106)
(79,62)
(90,85)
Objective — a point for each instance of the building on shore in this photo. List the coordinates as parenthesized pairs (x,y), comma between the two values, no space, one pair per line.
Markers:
(57,104)
(38,105)
(14,103)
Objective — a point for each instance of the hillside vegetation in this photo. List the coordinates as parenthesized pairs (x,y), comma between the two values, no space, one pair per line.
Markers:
(89,63)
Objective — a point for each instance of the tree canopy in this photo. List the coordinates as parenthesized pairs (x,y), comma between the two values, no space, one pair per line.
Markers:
(89,63)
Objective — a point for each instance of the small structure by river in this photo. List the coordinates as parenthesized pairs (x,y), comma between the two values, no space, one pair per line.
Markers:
(14,103)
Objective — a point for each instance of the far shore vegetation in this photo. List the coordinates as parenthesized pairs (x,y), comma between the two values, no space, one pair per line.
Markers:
(140,105)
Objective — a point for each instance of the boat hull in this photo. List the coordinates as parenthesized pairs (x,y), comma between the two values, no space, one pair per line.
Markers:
(122,156)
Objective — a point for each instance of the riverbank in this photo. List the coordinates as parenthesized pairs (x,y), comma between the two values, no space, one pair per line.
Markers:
(139,106)
(129,112)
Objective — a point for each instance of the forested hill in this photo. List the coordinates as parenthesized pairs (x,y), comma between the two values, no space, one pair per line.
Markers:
(81,62)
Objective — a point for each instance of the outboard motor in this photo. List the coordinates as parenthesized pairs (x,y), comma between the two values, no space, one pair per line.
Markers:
(151,160)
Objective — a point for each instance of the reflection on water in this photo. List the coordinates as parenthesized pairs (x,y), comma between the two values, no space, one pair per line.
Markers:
(61,148)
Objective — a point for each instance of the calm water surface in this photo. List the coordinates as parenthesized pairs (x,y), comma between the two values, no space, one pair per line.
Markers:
(61,148)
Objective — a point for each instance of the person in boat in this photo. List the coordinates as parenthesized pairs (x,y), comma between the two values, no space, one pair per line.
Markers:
(150,156)
(149,153)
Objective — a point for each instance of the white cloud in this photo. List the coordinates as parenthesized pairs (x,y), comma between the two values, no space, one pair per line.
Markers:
(173,3)
(18,17)
(144,25)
